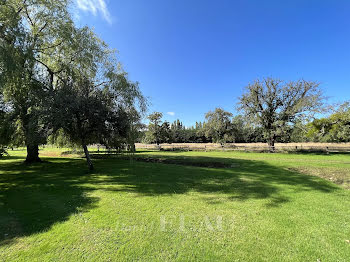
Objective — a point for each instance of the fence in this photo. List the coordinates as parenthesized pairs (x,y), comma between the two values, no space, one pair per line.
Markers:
(258,147)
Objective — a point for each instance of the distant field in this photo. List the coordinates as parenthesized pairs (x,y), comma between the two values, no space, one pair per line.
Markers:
(176,206)
(253,146)
(306,144)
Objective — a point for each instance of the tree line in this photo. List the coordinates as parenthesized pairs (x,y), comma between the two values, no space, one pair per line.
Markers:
(270,110)
(61,84)
(58,80)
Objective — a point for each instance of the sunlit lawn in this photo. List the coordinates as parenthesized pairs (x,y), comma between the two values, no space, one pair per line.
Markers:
(263,207)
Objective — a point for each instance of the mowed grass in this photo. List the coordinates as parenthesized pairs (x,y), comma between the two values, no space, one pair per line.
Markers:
(264,207)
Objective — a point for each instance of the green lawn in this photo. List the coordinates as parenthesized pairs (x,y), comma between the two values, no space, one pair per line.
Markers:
(263,207)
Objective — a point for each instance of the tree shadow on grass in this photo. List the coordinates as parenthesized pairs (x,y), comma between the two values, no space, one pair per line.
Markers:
(34,197)
(11,157)
(245,179)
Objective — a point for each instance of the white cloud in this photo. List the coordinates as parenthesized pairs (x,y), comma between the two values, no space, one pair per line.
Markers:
(95,7)
(171,113)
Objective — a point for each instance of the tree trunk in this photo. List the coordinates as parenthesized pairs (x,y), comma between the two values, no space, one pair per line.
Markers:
(32,154)
(272,144)
(131,147)
(88,158)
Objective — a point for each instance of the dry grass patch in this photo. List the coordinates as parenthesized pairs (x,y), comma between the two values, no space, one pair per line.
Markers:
(338,176)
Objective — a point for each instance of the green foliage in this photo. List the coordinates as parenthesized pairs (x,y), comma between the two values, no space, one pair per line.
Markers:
(178,132)
(245,132)
(135,126)
(3,152)
(154,133)
(335,128)
(30,31)
(218,126)
(298,132)
(57,76)
(88,115)
(84,112)
(165,133)
(60,139)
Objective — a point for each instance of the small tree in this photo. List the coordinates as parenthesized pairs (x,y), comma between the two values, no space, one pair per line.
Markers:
(178,132)
(154,127)
(199,133)
(165,135)
(81,113)
(135,127)
(218,125)
(274,104)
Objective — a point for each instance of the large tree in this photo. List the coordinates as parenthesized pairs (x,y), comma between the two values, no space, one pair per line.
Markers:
(274,104)
(48,63)
(93,100)
(30,30)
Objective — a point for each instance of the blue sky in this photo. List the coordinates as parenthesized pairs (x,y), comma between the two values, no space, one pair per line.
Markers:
(191,56)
